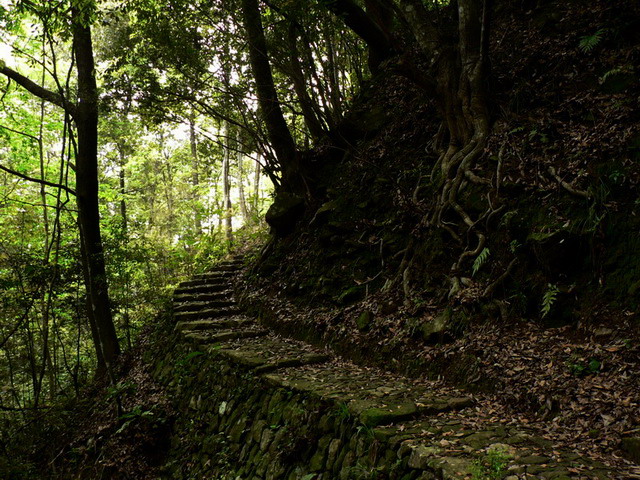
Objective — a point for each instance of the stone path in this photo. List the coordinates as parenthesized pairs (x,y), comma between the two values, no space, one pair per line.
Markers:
(427,427)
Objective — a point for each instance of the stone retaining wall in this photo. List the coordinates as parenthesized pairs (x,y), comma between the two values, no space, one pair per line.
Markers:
(241,425)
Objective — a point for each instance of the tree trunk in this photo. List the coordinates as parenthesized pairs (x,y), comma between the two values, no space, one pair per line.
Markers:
(459,80)
(256,189)
(365,27)
(382,15)
(86,118)
(195,177)
(277,130)
(241,197)
(226,185)
(307,105)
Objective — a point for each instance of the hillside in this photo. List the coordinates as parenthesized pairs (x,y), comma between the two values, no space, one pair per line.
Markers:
(548,317)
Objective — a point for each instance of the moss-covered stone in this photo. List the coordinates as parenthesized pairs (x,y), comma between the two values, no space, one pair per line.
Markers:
(363,322)
(284,212)
(631,448)
(372,417)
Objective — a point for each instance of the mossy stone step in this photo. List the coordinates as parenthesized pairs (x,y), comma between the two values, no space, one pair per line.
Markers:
(374,397)
(196,282)
(374,412)
(201,288)
(196,306)
(224,267)
(214,324)
(215,275)
(202,297)
(267,354)
(306,359)
(207,313)
(207,337)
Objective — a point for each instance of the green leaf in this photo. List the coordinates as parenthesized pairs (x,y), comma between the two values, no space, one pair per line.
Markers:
(589,42)
(548,299)
(480,260)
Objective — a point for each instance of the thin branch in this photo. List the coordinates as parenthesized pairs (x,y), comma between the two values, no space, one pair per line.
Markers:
(37,180)
(21,133)
(36,89)
(491,288)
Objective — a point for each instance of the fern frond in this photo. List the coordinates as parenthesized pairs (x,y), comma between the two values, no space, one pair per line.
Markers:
(589,42)
(548,299)
(480,260)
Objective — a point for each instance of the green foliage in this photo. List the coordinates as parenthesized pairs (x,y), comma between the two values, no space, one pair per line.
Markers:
(184,363)
(580,368)
(342,412)
(493,466)
(366,431)
(589,42)
(480,260)
(136,414)
(120,388)
(536,134)
(548,299)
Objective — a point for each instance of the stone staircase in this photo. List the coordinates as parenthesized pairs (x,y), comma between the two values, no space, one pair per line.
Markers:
(355,422)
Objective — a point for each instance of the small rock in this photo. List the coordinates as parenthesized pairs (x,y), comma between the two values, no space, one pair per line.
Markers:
(434,330)
(534,460)
(603,332)
(421,455)
(404,450)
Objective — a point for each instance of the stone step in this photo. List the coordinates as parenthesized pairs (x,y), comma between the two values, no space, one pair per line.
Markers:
(215,275)
(201,288)
(375,398)
(214,324)
(202,297)
(204,281)
(226,267)
(199,306)
(208,313)
(207,337)
(270,353)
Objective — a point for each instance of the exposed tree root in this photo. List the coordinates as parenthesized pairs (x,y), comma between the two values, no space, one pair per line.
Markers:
(567,186)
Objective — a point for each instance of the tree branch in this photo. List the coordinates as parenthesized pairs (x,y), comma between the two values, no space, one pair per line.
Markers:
(362,25)
(37,180)
(36,89)
(28,135)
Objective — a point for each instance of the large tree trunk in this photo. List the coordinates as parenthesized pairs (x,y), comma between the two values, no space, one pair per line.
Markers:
(86,118)
(365,27)
(85,114)
(277,130)
(458,77)
(382,14)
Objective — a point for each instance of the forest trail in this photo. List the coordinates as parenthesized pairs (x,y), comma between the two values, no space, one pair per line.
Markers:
(412,428)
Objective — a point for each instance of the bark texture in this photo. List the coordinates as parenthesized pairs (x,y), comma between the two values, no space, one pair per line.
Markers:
(86,118)
(278,132)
